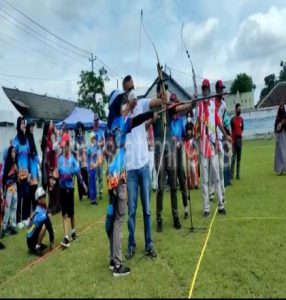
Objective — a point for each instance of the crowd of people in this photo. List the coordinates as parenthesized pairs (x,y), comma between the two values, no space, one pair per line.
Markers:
(187,146)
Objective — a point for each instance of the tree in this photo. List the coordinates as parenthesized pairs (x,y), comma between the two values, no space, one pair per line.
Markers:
(92,92)
(243,83)
(270,82)
(282,74)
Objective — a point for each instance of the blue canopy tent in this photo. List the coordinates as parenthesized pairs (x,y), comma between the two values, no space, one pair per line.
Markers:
(83,115)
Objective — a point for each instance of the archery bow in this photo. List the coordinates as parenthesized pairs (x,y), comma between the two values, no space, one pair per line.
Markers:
(189,57)
(163,92)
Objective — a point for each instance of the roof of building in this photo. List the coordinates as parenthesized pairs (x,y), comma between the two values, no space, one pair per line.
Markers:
(167,78)
(275,97)
(39,107)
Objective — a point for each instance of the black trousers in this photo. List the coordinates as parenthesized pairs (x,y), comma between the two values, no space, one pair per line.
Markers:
(168,166)
(236,155)
(181,175)
(81,191)
(32,191)
(24,204)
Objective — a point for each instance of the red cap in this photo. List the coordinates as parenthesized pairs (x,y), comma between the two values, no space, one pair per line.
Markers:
(205,83)
(219,85)
(65,138)
(174,98)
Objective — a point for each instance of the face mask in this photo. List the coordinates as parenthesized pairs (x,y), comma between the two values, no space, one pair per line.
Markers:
(238,113)
(189,119)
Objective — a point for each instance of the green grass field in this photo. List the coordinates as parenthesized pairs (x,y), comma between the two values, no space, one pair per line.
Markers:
(244,257)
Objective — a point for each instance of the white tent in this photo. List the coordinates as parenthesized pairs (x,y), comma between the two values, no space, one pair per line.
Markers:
(8,113)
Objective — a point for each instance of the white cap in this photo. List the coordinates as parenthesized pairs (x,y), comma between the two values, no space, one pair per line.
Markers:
(40,192)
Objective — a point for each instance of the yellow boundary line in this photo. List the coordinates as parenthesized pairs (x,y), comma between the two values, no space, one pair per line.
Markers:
(40,259)
(201,257)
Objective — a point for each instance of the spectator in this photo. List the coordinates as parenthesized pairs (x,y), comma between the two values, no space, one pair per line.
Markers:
(2,246)
(191,157)
(178,136)
(236,131)
(9,184)
(40,223)
(280,149)
(99,134)
(21,145)
(33,163)
(81,156)
(68,167)
(92,155)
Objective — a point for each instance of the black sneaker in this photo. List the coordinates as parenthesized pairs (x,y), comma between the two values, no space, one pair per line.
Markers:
(74,236)
(159,226)
(65,242)
(196,187)
(2,246)
(94,203)
(206,214)
(177,223)
(38,251)
(222,211)
(43,247)
(3,233)
(13,230)
(151,253)
(130,253)
(111,265)
(186,215)
(120,271)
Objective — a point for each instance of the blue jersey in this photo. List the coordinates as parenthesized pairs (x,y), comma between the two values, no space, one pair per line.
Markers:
(92,154)
(68,167)
(178,128)
(34,161)
(99,136)
(40,216)
(117,167)
(23,160)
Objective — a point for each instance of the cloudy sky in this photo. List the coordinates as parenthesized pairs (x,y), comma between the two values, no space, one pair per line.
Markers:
(224,38)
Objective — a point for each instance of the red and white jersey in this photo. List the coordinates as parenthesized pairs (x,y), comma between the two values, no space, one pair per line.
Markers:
(208,120)
(221,109)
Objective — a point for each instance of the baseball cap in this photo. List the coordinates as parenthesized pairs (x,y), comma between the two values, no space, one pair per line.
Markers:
(219,85)
(205,83)
(65,138)
(40,192)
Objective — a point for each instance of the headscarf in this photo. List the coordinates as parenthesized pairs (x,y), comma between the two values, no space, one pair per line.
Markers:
(20,134)
(31,140)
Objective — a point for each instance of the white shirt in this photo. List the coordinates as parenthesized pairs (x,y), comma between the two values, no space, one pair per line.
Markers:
(136,141)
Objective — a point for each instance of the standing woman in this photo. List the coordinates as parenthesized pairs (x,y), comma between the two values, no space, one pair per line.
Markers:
(21,145)
(33,162)
(10,177)
(52,151)
(280,149)
(44,166)
(81,156)
(92,154)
